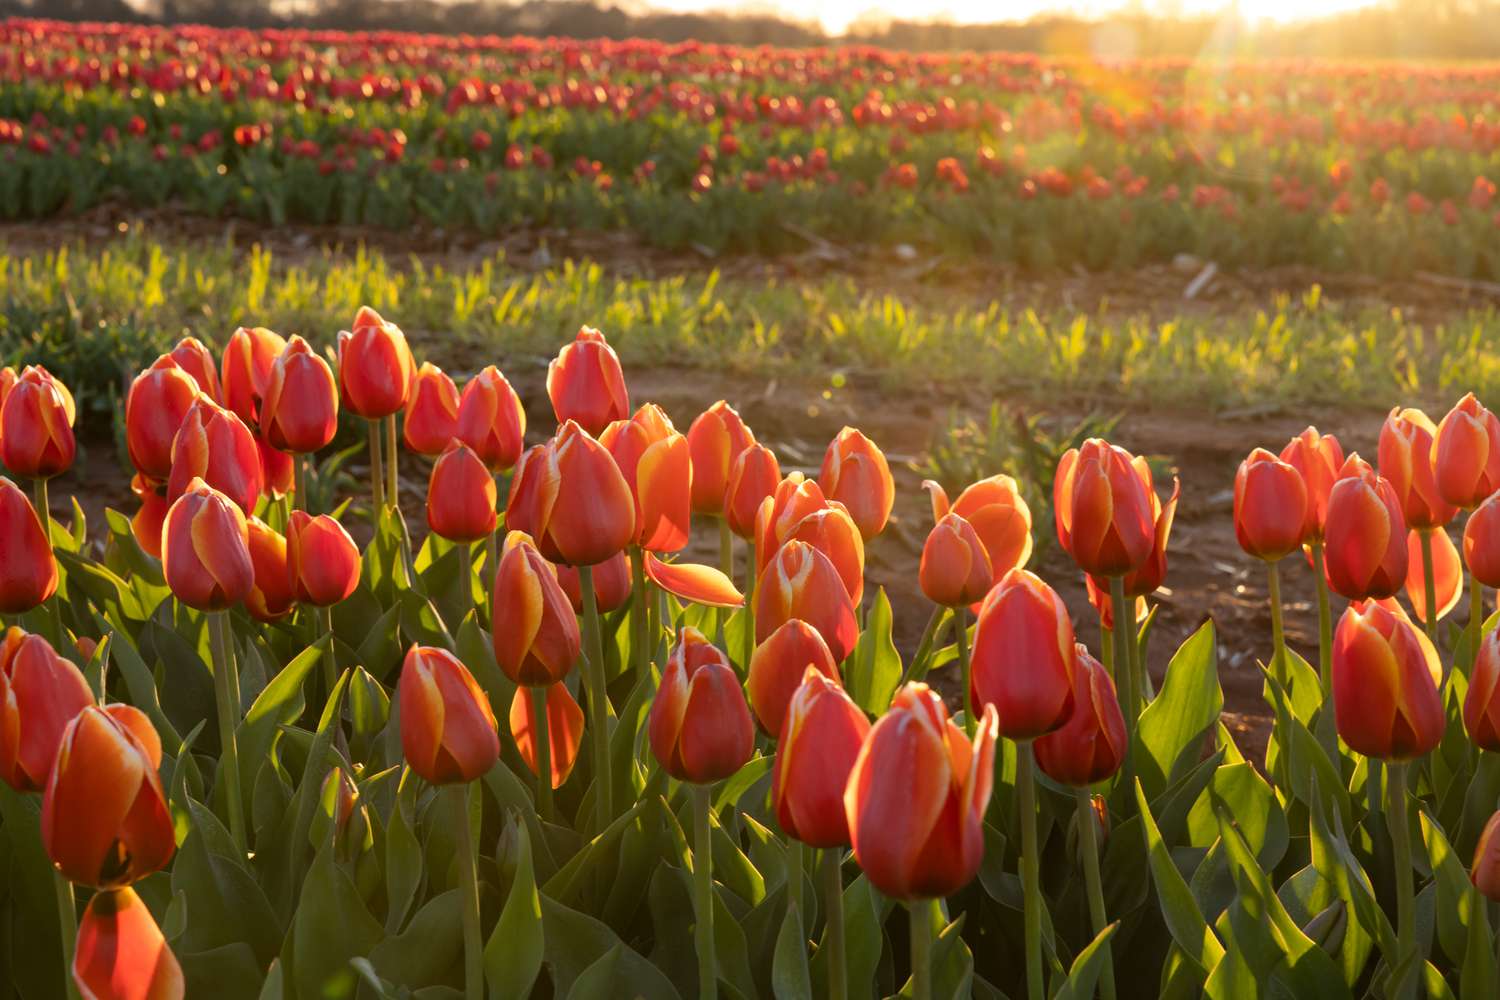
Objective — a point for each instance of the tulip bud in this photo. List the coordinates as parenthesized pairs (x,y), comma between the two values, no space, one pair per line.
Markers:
(795,498)
(833,532)
(147,523)
(998,514)
(322,561)
(300,408)
(270,598)
(1270,506)
(121,953)
(657,466)
(1447,574)
(855,474)
(105,821)
(215,446)
(1385,684)
(1405,456)
(490,419)
(917,795)
(248,360)
(715,439)
(342,818)
(375,366)
(591,515)
(1486,871)
(40,693)
(699,726)
(777,667)
(1091,745)
(276,470)
(586,384)
(1482,703)
(205,549)
(36,426)
(1466,454)
(1024,657)
(1366,535)
(431,411)
(801,582)
(1103,514)
(28,570)
(564,729)
(448,733)
(955,568)
(611,584)
(194,357)
(461,496)
(1482,542)
(1319,458)
(753,477)
(159,400)
(820,740)
(535,632)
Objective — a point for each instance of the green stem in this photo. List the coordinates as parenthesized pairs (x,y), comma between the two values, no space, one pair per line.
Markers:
(541,741)
(961,637)
(392,480)
(640,613)
(919,916)
(299,483)
(331,663)
(1278,632)
(1137,663)
(1089,836)
(377,473)
(492,563)
(703,892)
(1031,881)
(1406,927)
(726,564)
(44,514)
(918,669)
(1325,624)
(833,908)
(753,557)
(1429,584)
(226,690)
(1123,674)
(593,670)
(458,798)
(1476,615)
(67,926)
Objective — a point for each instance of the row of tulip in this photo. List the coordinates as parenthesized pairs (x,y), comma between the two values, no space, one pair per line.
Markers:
(255,807)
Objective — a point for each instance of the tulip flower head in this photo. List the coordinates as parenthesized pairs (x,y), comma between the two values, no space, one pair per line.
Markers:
(246,368)
(121,952)
(1406,441)
(36,426)
(448,733)
(1466,454)
(1270,506)
(856,474)
(611,584)
(535,632)
(1024,657)
(832,531)
(431,411)
(716,439)
(194,357)
(215,446)
(1482,542)
(1485,874)
(205,549)
(156,406)
(753,477)
(777,669)
(1482,703)
(375,366)
(998,514)
(586,384)
(322,561)
(461,495)
(40,693)
(1091,745)
(1320,459)
(147,523)
(917,795)
(699,725)
(795,497)
(570,496)
(277,470)
(491,420)
(300,408)
(657,465)
(1365,534)
(271,598)
(1104,517)
(820,739)
(801,582)
(1385,684)
(28,569)
(564,730)
(955,568)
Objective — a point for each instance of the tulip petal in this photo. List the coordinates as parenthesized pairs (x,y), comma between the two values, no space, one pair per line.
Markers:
(694,582)
(121,953)
(1447,574)
(564,729)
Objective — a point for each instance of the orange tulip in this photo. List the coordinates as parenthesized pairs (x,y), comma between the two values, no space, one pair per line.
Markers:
(271,597)
(535,632)
(611,584)
(657,465)
(1482,542)
(1482,703)
(1024,657)
(699,725)
(205,549)
(916,798)
(461,496)
(194,357)
(1486,871)
(570,496)
(448,733)
(1103,514)
(1149,578)
(753,476)
(1099,597)
(1466,454)
(564,729)
(801,582)
(431,411)
(1405,456)
(322,561)
(36,426)
(248,360)
(1270,506)
(1319,458)
(300,408)
(375,366)
(998,514)
(1366,534)
(105,821)
(586,384)
(694,583)
(820,740)
(1447,573)
(855,474)
(795,497)
(156,406)
(28,571)
(40,693)
(121,953)
(147,523)
(491,420)
(8,380)
(1091,745)
(833,532)
(215,446)
(1385,684)
(955,568)
(777,667)
(276,470)
(715,439)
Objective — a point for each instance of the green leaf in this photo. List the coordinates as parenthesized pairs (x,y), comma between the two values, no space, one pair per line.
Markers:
(1088,967)
(1172,727)
(139,682)
(430,946)
(513,955)
(873,670)
(332,926)
(597,982)
(280,704)
(1185,923)
(231,971)
(576,941)
(403,855)
(224,900)
(790,979)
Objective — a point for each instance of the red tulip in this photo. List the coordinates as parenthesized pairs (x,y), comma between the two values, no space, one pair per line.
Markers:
(699,726)
(1091,745)
(777,667)
(820,740)
(193,357)
(1270,506)
(461,496)
(1102,511)
(105,821)
(248,360)
(1482,703)
(205,549)
(715,439)
(215,446)
(855,474)
(916,798)
(375,366)
(276,470)
(1385,684)
(490,419)
(955,568)
(36,426)
(535,632)
(1366,534)
(1024,657)
(570,496)
(564,729)
(800,582)
(1486,871)
(40,693)
(753,477)
(300,408)
(271,597)
(322,561)
(586,384)
(448,733)
(998,514)
(1482,542)
(1320,459)
(1447,573)
(121,953)
(611,584)
(147,523)
(795,498)
(833,532)
(657,466)
(694,583)
(28,571)
(159,400)
(1405,454)
(1150,577)
(431,411)
(1466,454)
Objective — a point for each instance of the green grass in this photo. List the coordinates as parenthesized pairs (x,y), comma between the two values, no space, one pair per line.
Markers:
(96,315)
